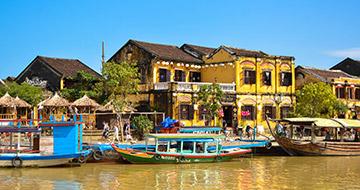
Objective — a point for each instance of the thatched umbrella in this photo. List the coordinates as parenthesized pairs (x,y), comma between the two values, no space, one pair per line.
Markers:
(110,107)
(7,101)
(85,101)
(21,103)
(55,101)
(55,105)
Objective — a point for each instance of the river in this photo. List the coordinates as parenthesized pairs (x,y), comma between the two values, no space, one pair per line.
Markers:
(244,173)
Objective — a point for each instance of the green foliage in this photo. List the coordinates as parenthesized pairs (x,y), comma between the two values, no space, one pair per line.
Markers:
(31,94)
(143,125)
(120,80)
(318,100)
(83,83)
(210,96)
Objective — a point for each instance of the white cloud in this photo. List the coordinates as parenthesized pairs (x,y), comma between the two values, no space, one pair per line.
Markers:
(351,52)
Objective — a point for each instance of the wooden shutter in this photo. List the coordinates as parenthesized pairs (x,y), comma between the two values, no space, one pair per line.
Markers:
(191,112)
(168,75)
(183,76)
(273,112)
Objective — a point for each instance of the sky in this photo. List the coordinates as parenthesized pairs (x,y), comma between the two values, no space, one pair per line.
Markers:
(319,33)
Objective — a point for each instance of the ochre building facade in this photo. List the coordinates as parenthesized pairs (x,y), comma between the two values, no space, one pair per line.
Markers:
(255,83)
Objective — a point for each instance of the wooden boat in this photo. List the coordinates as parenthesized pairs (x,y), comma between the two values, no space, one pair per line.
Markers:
(180,148)
(60,148)
(315,144)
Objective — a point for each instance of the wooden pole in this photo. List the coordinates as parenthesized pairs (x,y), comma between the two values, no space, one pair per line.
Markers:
(312,133)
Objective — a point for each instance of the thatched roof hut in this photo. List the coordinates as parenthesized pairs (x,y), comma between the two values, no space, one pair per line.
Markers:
(85,101)
(55,101)
(21,103)
(7,101)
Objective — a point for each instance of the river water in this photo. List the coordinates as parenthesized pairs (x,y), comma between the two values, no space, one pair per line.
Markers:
(244,173)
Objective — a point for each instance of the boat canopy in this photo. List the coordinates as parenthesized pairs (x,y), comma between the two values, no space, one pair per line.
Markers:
(349,123)
(322,122)
(186,136)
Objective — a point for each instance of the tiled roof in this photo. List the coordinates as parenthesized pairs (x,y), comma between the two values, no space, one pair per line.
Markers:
(68,67)
(200,49)
(244,52)
(325,74)
(348,65)
(166,52)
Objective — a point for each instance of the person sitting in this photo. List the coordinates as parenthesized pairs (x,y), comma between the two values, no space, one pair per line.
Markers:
(327,136)
(248,131)
(279,129)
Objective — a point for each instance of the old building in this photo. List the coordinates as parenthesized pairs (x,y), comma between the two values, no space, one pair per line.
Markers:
(255,83)
(53,73)
(346,87)
(348,65)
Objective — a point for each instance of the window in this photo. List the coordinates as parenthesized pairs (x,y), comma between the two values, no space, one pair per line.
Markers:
(195,77)
(249,77)
(179,76)
(285,111)
(267,78)
(247,113)
(340,92)
(269,111)
(285,79)
(164,75)
(350,93)
(186,112)
(357,93)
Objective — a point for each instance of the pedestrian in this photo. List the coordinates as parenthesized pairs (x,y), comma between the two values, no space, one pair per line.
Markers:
(128,132)
(116,134)
(105,132)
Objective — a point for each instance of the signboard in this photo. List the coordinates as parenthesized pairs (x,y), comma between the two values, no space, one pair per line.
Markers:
(229,98)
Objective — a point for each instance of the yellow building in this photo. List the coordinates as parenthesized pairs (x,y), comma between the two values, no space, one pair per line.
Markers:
(345,86)
(254,82)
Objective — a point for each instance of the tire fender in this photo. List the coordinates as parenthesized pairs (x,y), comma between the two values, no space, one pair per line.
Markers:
(98,155)
(268,145)
(157,156)
(17,162)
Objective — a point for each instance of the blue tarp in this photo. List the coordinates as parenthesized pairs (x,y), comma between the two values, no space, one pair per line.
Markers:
(168,122)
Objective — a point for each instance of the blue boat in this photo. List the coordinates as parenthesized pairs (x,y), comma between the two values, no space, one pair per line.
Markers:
(62,147)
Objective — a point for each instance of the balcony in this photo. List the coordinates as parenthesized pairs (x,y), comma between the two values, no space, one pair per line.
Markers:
(192,86)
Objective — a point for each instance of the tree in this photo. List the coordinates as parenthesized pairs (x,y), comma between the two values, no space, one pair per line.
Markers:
(318,100)
(83,83)
(119,81)
(209,97)
(143,125)
(31,94)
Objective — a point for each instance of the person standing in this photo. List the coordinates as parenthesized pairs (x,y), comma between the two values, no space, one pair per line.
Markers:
(105,132)
(116,134)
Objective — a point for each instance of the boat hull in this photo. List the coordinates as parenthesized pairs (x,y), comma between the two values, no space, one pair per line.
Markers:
(137,157)
(295,148)
(36,160)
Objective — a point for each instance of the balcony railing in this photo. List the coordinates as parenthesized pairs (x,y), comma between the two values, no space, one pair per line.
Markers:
(191,86)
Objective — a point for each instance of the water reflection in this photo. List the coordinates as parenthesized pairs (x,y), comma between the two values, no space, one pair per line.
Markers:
(245,173)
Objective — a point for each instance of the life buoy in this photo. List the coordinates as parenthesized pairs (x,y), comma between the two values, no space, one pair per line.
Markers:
(98,155)
(268,145)
(16,162)
(157,156)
